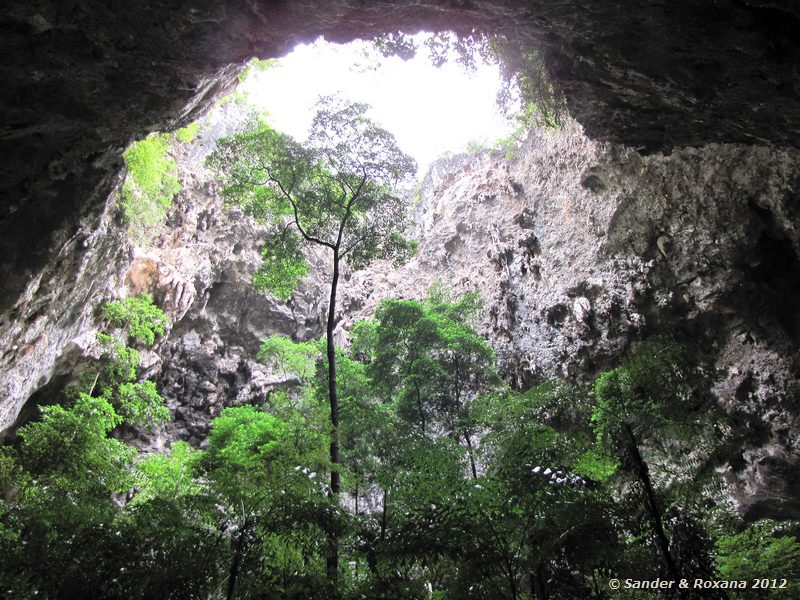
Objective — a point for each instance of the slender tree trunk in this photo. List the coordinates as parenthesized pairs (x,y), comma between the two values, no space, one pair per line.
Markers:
(651,506)
(419,407)
(333,542)
(470,454)
(512,582)
(237,560)
(383,514)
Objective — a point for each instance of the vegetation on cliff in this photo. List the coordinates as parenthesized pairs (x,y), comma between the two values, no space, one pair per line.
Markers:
(151,184)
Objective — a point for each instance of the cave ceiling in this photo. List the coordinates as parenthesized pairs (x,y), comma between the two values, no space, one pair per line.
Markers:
(82,79)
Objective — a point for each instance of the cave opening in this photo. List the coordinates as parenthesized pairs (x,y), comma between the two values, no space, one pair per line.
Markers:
(433,105)
(432,501)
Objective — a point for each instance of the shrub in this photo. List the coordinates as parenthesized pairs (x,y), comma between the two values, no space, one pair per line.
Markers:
(151,184)
(142,318)
(189,133)
(760,551)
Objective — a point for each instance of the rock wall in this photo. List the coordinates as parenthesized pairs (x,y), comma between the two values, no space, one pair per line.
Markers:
(81,79)
(578,249)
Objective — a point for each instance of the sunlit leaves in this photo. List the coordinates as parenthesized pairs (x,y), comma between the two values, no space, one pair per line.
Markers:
(761,550)
(149,187)
(292,358)
(596,465)
(142,319)
(141,404)
(168,476)
(335,191)
(244,439)
(70,447)
(283,265)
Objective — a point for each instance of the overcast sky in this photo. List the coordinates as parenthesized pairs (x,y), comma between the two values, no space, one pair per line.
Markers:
(429,110)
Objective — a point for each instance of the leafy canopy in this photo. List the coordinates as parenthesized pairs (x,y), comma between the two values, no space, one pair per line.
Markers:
(427,358)
(335,190)
(760,552)
(292,358)
(189,133)
(142,318)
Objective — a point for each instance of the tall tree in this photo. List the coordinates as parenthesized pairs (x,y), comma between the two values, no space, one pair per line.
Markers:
(427,359)
(335,191)
(656,401)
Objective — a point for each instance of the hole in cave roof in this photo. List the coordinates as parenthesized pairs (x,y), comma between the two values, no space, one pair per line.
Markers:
(430,110)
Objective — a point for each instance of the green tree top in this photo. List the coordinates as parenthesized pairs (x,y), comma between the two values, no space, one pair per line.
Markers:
(335,190)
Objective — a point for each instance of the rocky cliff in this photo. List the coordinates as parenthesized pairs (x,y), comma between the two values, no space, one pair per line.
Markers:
(577,247)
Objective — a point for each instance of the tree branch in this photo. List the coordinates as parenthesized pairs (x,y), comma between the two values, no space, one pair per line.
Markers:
(308,237)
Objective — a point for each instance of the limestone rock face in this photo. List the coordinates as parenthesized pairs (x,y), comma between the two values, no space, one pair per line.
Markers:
(51,327)
(578,248)
(82,79)
(202,267)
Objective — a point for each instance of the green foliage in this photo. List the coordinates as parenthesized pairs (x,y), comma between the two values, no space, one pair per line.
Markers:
(283,265)
(427,359)
(256,65)
(189,133)
(661,388)
(760,551)
(335,191)
(244,439)
(509,145)
(651,414)
(462,487)
(70,447)
(140,403)
(149,187)
(292,358)
(139,316)
(170,476)
(596,465)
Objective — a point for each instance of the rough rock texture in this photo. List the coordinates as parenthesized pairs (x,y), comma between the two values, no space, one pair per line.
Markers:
(51,326)
(81,79)
(200,270)
(578,248)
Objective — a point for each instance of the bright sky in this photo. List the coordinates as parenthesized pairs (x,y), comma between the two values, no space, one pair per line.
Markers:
(429,110)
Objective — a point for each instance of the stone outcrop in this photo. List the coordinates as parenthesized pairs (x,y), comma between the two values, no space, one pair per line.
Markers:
(577,247)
